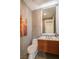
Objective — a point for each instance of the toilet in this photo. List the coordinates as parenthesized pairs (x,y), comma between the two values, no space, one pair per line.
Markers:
(32,49)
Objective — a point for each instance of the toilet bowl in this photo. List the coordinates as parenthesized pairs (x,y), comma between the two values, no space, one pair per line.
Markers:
(32,49)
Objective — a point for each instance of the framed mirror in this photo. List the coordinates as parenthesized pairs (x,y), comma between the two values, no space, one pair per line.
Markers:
(49,20)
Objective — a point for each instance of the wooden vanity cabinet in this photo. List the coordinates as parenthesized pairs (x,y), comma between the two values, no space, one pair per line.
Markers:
(42,45)
(48,46)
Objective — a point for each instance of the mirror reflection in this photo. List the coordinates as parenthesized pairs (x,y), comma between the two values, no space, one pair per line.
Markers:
(48,20)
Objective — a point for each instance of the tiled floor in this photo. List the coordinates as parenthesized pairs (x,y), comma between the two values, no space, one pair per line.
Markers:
(42,55)
(24,57)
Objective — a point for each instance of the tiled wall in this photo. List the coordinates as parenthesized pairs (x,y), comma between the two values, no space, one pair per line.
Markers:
(36,23)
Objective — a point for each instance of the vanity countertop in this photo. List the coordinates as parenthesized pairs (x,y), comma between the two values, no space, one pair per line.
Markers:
(51,38)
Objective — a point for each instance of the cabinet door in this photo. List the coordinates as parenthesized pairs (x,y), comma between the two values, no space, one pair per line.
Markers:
(53,47)
(42,45)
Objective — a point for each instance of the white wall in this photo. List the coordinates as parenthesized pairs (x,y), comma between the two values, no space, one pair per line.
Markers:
(57,20)
(24,41)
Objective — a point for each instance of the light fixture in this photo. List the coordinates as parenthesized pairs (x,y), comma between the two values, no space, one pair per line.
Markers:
(45,14)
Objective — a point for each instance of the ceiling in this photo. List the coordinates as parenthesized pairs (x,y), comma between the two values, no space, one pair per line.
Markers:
(37,4)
